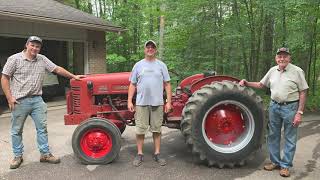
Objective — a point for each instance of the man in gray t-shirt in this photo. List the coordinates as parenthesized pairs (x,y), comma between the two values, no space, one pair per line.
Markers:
(288,96)
(149,77)
(22,79)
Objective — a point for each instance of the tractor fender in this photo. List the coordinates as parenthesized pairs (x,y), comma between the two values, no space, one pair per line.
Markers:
(209,80)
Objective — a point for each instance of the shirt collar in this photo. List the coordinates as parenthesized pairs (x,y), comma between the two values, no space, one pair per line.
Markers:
(25,58)
(285,69)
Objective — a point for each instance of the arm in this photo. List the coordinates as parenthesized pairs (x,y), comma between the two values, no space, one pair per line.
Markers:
(257,85)
(131,90)
(5,83)
(302,101)
(168,106)
(61,71)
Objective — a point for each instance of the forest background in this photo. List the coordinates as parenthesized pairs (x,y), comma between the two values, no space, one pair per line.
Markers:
(232,37)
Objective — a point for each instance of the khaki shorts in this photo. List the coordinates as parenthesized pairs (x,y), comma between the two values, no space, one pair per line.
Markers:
(146,116)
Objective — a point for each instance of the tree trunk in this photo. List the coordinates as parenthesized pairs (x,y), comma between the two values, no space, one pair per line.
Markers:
(312,42)
(256,65)
(96,7)
(101,13)
(314,79)
(161,47)
(77,4)
(267,47)
(242,43)
(284,25)
(220,46)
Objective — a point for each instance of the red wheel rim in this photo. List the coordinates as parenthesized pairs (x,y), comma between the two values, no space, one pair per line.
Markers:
(96,143)
(224,124)
(228,126)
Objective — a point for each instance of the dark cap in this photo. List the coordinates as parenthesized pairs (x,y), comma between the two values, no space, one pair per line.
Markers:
(150,42)
(34,38)
(283,49)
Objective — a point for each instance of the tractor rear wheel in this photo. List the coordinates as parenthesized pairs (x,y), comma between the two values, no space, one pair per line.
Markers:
(96,141)
(223,123)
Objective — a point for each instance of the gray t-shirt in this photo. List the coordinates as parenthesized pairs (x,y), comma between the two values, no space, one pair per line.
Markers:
(149,77)
(26,77)
(285,86)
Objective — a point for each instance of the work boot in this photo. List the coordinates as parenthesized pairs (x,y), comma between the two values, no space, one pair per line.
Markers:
(49,158)
(159,159)
(284,172)
(138,160)
(271,166)
(16,162)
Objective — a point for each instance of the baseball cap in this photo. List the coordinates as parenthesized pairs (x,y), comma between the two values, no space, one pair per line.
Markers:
(34,38)
(283,49)
(150,42)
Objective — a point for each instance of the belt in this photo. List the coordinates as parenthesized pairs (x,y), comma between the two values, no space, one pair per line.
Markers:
(284,103)
(28,96)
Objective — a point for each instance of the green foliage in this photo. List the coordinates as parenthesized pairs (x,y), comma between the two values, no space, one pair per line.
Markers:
(115,59)
(233,37)
(313,102)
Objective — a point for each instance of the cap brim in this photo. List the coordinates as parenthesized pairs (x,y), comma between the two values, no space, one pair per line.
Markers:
(150,42)
(283,52)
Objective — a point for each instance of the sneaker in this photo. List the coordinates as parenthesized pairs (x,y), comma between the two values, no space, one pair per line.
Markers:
(159,159)
(284,172)
(271,166)
(138,160)
(16,162)
(49,158)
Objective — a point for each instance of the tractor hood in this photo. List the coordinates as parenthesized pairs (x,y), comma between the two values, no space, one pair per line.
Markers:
(112,83)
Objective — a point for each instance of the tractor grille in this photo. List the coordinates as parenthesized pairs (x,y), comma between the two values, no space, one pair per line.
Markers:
(76,99)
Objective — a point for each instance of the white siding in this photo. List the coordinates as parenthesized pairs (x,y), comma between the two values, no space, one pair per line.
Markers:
(46,31)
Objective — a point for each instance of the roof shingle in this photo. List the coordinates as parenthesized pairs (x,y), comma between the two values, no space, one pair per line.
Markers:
(55,12)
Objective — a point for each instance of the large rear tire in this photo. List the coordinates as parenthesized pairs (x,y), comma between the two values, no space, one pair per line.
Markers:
(96,141)
(223,123)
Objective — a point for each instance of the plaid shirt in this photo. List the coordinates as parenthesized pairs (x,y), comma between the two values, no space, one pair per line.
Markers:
(26,77)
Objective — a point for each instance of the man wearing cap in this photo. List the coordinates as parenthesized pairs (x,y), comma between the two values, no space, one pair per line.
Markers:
(22,79)
(148,77)
(288,96)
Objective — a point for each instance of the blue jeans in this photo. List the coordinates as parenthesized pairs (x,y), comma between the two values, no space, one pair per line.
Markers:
(37,109)
(282,115)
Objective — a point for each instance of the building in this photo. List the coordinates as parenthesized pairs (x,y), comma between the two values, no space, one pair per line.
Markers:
(72,39)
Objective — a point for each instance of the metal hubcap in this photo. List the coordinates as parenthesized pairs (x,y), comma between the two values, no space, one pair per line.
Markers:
(96,143)
(228,126)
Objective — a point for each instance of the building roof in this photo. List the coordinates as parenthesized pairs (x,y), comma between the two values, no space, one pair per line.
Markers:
(51,11)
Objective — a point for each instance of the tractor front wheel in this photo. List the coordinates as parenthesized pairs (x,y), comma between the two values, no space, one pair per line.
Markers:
(96,141)
(224,123)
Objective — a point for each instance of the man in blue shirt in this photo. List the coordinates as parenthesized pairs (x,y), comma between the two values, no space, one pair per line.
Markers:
(149,76)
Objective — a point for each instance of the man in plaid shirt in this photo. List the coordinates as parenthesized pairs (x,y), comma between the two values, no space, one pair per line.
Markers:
(22,79)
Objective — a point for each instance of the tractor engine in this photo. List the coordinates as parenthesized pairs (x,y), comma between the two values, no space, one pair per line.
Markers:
(102,96)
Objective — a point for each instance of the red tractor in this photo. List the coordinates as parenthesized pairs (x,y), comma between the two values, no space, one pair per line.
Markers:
(222,122)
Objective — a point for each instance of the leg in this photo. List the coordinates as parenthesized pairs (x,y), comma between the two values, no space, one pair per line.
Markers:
(19,116)
(274,135)
(140,142)
(142,123)
(157,142)
(39,116)
(290,135)
(155,127)
(156,119)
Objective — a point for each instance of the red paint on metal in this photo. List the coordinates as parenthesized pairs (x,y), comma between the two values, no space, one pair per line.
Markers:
(96,143)
(208,80)
(224,124)
(190,80)
(82,102)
